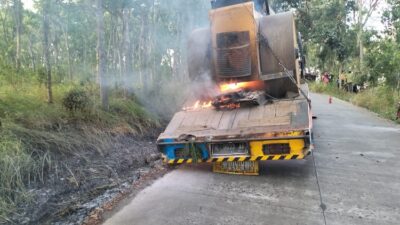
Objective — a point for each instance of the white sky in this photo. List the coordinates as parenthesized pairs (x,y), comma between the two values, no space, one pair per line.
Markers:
(374,22)
(28,4)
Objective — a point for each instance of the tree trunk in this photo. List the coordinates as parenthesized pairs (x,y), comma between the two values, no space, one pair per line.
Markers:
(66,35)
(101,57)
(361,49)
(17,5)
(140,52)
(31,54)
(125,50)
(5,30)
(56,54)
(46,48)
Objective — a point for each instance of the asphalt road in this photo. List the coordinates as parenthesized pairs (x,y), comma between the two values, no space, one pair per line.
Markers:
(357,179)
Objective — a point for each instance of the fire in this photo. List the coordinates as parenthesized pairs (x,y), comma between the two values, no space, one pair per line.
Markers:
(198,105)
(230,87)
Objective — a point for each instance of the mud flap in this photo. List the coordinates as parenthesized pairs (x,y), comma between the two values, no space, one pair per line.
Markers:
(240,168)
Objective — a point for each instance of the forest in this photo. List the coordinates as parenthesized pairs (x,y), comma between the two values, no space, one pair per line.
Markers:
(77,75)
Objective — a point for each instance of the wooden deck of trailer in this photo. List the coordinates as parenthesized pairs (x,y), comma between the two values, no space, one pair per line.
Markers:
(205,124)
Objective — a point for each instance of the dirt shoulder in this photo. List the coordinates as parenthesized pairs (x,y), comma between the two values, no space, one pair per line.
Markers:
(86,185)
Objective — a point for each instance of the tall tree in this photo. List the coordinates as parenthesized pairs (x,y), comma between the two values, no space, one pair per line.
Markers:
(126,49)
(364,12)
(46,48)
(101,55)
(17,9)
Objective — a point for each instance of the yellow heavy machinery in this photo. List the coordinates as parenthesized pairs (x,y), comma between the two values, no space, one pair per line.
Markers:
(246,43)
(256,108)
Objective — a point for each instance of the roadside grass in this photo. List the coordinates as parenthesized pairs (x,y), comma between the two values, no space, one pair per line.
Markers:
(330,89)
(35,134)
(381,100)
(16,167)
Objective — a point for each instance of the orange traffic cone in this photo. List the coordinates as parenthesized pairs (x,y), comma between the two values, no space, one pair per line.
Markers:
(330,99)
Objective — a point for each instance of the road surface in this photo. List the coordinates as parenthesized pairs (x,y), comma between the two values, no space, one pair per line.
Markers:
(356,181)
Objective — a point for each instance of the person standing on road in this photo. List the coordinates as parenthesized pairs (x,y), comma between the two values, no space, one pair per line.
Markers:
(398,111)
(325,78)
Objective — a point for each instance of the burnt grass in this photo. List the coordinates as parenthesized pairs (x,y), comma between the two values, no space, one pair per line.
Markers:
(82,182)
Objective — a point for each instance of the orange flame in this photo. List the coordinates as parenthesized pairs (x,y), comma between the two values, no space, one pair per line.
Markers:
(255,85)
(198,105)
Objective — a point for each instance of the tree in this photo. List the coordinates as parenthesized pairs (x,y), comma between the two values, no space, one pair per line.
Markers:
(46,48)
(101,57)
(391,18)
(365,8)
(17,10)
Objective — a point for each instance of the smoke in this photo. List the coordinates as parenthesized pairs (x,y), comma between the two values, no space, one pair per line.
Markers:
(169,93)
(203,88)
(161,80)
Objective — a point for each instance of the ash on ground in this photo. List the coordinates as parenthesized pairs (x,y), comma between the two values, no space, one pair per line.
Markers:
(84,182)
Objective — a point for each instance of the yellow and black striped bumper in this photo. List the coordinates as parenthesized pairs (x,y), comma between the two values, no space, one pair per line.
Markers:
(237,159)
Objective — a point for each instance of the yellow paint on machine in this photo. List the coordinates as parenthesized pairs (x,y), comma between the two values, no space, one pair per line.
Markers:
(256,152)
(235,18)
(296,147)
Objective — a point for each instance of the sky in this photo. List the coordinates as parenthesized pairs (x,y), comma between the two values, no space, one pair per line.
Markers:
(28,4)
(373,23)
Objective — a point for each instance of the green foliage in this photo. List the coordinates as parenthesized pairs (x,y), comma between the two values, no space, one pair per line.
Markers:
(76,100)
(391,18)
(329,32)
(383,60)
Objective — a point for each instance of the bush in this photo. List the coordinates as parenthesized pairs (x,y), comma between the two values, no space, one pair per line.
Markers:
(76,100)
(381,100)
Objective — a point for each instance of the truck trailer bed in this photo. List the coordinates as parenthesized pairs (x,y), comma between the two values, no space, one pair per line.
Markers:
(241,123)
